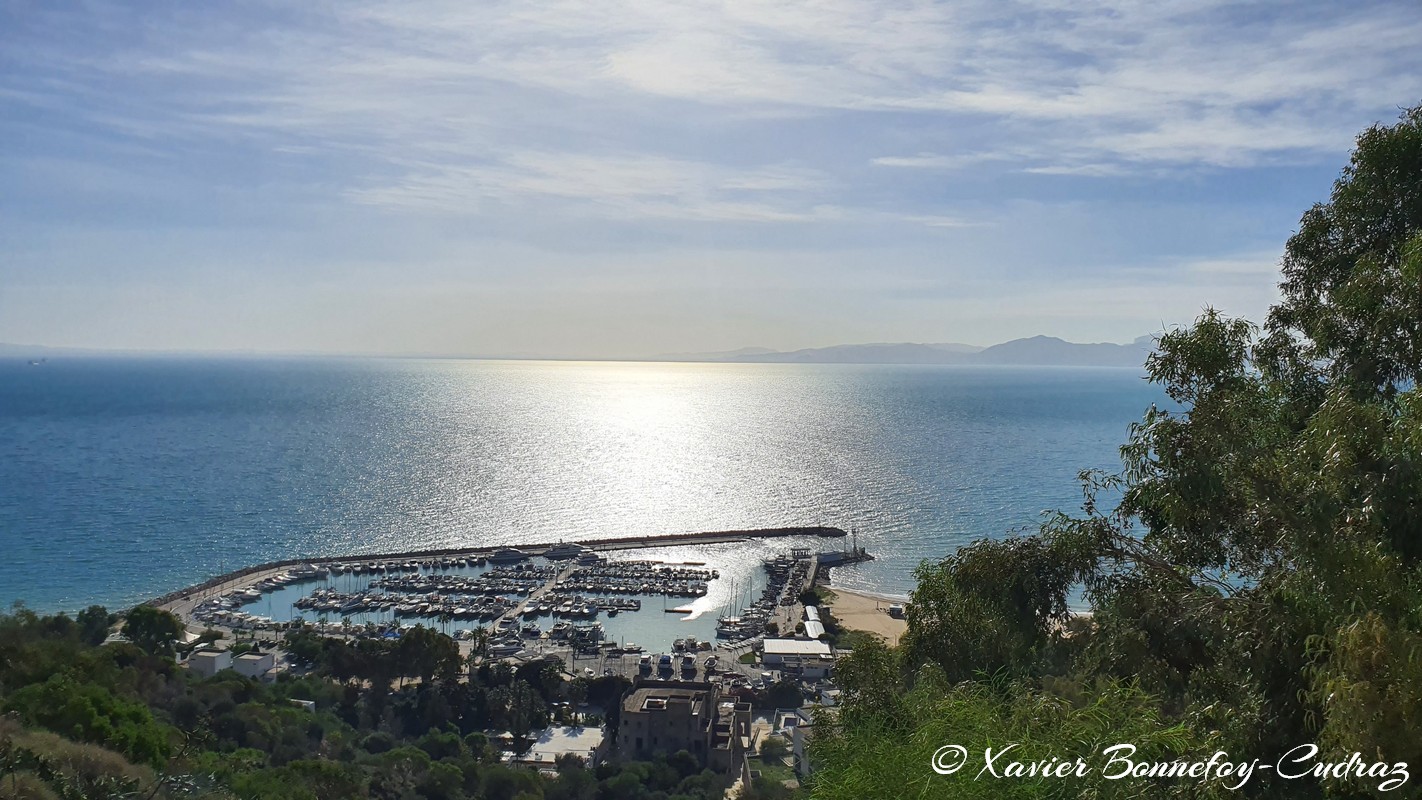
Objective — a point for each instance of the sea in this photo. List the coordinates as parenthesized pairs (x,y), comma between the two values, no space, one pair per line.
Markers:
(122,479)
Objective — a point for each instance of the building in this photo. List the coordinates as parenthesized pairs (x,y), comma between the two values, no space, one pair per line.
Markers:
(668,716)
(801,730)
(552,743)
(254,665)
(209,662)
(782,652)
(809,669)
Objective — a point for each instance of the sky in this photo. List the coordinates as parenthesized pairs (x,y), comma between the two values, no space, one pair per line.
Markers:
(631,177)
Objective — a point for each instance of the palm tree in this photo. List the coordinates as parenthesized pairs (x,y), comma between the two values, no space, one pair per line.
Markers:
(577,693)
(480,641)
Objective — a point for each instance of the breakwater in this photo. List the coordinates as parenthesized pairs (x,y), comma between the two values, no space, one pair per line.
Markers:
(616,543)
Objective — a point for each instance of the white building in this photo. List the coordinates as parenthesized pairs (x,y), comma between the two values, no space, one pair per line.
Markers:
(810,669)
(254,665)
(799,727)
(584,742)
(209,662)
(784,652)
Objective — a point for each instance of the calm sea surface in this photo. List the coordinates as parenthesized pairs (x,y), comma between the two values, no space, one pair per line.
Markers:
(122,479)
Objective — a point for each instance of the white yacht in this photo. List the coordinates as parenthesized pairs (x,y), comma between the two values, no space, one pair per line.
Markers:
(564,550)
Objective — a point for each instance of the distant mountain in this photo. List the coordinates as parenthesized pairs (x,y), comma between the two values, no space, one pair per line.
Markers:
(1051,351)
(1033,351)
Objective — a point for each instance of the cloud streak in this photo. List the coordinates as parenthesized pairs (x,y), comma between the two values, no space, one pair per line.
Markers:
(871,149)
(1085,89)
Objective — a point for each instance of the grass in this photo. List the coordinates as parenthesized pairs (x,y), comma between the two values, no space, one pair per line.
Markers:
(850,639)
(774,769)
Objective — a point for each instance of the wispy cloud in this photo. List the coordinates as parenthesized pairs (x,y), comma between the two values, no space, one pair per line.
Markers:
(1010,146)
(937,161)
(1087,89)
(1086,170)
(626,186)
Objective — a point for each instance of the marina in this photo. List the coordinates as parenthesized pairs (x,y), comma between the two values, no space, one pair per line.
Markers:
(563,595)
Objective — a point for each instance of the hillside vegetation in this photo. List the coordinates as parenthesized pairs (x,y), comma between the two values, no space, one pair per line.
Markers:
(1255,579)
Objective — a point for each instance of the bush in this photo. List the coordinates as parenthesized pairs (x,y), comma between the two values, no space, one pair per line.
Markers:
(773,748)
(378,742)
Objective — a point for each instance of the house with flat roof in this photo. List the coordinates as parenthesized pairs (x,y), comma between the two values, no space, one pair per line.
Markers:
(254,665)
(553,743)
(775,652)
(668,716)
(209,662)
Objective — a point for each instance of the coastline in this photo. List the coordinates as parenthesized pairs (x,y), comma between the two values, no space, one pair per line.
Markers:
(859,610)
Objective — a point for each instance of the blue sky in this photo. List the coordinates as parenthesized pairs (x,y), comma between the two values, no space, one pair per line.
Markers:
(628,177)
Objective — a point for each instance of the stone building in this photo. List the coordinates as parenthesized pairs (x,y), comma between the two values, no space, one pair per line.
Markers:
(668,716)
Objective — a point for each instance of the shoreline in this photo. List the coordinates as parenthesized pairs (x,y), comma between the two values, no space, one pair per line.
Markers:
(864,611)
(886,597)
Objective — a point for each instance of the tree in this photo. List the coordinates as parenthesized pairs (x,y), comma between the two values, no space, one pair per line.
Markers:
(152,629)
(1352,288)
(424,652)
(92,713)
(518,708)
(1258,582)
(94,623)
(783,694)
(577,693)
(995,605)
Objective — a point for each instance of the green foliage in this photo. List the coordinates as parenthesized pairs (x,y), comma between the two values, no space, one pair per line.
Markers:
(91,713)
(94,623)
(993,606)
(425,653)
(1259,583)
(783,694)
(302,780)
(816,595)
(774,747)
(1352,298)
(152,629)
(36,764)
(883,757)
(230,736)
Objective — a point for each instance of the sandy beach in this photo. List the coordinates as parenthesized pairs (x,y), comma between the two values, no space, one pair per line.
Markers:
(864,611)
